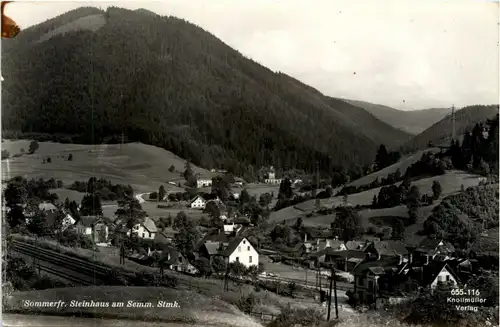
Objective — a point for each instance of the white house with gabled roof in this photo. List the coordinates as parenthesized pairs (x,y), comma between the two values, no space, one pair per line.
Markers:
(198,203)
(145,230)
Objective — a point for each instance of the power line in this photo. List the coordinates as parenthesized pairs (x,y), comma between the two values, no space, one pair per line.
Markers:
(453,123)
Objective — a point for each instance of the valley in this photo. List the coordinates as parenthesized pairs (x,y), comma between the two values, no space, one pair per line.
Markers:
(146,158)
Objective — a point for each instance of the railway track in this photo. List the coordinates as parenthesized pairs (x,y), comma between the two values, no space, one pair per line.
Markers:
(58,273)
(67,262)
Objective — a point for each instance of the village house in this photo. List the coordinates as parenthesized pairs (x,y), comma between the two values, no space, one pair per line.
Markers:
(356,245)
(203,182)
(389,278)
(96,227)
(172,259)
(145,230)
(67,222)
(431,249)
(240,250)
(312,234)
(271,177)
(198,203)
(345,260)
(231,246)
(387,249)
(321,245)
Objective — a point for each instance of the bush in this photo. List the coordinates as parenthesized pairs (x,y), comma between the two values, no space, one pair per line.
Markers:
(5,154)
(143,279)
(291,317)
(247,303)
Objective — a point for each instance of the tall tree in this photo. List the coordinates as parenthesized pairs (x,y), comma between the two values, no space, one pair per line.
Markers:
(187,235)
(33,146)
(221,187)
(413,203)
(436,189)
(382,158)
(130,212)
(285,190)
(348,222)
(161,192)
(91,205)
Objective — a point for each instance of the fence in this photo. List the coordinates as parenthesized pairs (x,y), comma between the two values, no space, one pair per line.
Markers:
(263,316)
(312,283)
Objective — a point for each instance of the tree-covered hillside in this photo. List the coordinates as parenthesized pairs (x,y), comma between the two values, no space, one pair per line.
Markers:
(440,132)
(166,82)
(412,121)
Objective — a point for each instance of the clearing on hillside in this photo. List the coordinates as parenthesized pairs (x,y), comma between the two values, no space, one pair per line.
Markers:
(144,167)
(402,165)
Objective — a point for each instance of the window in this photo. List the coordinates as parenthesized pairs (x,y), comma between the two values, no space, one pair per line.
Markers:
(244,242)
(447,278)
(237,259)
(248,248)
(143,235)
(440,278)
(250,259)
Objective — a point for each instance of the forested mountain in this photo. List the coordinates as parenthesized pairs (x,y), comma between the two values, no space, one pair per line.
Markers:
(413,122)
(92,75)
(440,132)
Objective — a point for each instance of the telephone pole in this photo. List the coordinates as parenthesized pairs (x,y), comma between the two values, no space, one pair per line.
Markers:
(330,298)
(333,280)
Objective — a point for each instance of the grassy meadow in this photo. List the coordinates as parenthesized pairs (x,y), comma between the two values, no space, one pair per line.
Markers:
(145,167)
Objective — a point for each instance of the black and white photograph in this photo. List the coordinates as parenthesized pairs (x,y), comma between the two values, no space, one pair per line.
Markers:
(250,163)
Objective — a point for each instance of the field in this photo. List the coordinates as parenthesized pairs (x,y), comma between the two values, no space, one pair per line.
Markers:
(145,167)
(193,307)
(153,211)
(402,165)
(451,182)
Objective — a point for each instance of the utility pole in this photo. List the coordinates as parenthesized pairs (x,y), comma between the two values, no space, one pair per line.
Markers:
(330,298)
(333,279)
(334,276)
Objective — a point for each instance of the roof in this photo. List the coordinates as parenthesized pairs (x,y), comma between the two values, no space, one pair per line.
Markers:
(388,248)
(335,244)
(161,238)
(430,272)
(316,233)
(196,198)
(233,244)
(433,246)
(377,267)
(87,221)
(212,247)
(355,245)
(169,232)
(150,225)
(47,206)
(346,253)
(241,220)
(367,238)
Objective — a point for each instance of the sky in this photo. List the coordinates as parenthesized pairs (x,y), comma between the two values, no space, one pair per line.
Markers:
(407,54)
